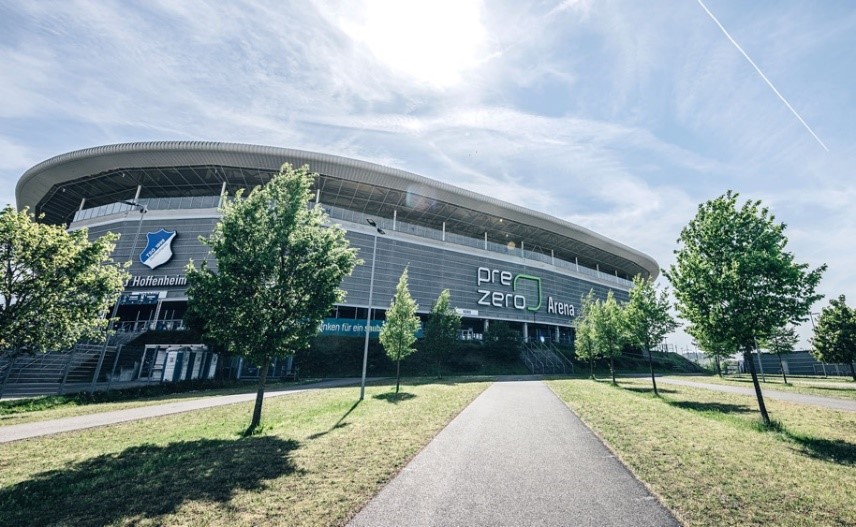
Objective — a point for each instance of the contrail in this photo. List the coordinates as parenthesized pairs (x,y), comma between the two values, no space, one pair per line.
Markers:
(761,73)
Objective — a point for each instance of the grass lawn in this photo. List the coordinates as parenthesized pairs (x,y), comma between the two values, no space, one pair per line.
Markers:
(13,412)
(318,459)
(705,455)
(837,388)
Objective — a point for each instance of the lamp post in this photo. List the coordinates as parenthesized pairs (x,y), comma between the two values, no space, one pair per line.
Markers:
(378,230)
(143,210)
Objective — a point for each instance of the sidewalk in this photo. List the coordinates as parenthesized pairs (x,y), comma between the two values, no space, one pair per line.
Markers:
(516,456)
(67,424)
(815,400)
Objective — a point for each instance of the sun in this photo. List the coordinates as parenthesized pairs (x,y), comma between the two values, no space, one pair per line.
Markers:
(435,42)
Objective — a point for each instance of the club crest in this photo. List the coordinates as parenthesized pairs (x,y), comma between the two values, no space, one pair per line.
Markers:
(158,251)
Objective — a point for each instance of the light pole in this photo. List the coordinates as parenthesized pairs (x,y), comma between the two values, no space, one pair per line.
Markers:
(143,210)
(378,230)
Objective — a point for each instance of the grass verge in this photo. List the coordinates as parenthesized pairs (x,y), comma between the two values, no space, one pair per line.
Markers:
(835,388)
(319,457)
(48,407)
(706,455)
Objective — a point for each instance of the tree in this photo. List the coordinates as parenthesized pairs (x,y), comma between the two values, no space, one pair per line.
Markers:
(56,285)
(712,349)
(278,273)
(502,341)
(608,331)
(782,341)
(584,344)
(834,337)
(735,282)
(647,319)
(441,331)
(399,332)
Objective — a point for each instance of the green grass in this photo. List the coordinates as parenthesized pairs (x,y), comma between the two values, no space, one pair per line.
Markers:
(318,459)
(19,411)
(711,462)
(836,388)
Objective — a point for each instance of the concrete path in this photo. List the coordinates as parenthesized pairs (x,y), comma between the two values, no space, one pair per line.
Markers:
(67,424)
(516,456)
(815,400)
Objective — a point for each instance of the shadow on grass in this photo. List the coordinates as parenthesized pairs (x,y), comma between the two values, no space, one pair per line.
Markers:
(640,389)
(339,423)
(832,450)
(145,482)
(394,398)
(721,408)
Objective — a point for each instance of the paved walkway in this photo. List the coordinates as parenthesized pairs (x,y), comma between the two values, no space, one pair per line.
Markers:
(516,456)
(67,424)
(815,400)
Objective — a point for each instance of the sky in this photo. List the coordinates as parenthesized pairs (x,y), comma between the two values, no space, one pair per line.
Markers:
(620,116)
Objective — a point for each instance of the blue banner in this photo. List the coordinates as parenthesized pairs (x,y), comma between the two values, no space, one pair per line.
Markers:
(348,327)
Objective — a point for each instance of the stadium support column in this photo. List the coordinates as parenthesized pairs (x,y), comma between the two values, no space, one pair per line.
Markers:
(558,334)
(526,332)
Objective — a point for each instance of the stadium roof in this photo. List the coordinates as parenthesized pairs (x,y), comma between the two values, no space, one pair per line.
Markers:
(111,173)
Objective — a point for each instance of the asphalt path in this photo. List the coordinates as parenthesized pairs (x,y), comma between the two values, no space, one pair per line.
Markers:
(515,456)
(815,400)
(68,424)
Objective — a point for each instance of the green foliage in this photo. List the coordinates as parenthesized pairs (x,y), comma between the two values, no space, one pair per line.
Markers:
(55,286)
(399,332)
(733,279)
(502,341)
(278,272)
(782,341)
(647,320)
(835,335)
(607,329)
(584,342)
(646,316)
(441,330)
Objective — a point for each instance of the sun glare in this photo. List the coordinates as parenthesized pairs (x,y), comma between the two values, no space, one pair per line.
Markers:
(432,41)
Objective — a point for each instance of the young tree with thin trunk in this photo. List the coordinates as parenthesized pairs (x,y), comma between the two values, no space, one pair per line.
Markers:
(441,331)
(647,319)
(735,282)
(55,286)
(712,349)
(399,332)
(608,331)
(835,335)
(584,344)
(278,273)
(781,342)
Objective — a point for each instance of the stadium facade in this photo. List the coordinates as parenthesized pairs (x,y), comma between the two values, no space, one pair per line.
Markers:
(499,261)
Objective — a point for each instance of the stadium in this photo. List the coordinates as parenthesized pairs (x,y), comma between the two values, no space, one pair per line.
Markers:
(500,261)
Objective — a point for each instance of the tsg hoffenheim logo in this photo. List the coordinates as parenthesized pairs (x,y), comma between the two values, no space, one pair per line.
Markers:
(159,249)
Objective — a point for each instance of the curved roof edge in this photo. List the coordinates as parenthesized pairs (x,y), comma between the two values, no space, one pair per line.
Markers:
(36,182)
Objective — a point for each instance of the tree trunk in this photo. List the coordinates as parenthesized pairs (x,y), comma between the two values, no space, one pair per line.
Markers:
(718,367)
(612,368)
(439,373)
(260,396)
(651,364)
(397,370)
(747,358)
(591,366)
(782,365)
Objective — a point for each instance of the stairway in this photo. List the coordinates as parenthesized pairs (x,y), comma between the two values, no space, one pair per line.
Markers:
(544,358)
